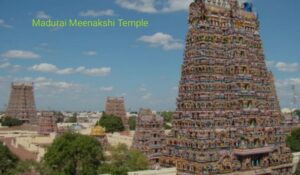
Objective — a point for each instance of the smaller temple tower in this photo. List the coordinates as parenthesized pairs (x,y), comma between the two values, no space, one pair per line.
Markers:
(47,123)
(116,106)
(149,136)
(21,103)
(99,133)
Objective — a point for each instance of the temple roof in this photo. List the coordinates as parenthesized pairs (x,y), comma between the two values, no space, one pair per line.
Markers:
(98,131)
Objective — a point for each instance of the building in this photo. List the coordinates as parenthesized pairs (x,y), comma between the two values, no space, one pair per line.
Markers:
(115,106)
(228,118)
(47,123)
(21,103)
(149,136)
(99,133)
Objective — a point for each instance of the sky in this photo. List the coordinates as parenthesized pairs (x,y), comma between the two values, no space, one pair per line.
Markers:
(75,69)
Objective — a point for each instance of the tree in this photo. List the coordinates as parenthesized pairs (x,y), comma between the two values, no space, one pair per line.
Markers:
(297,112)
(9,121)
(132,122)
(122,160)
(74,154)
(111,123)
(167,115)
(293,140)
(8,161)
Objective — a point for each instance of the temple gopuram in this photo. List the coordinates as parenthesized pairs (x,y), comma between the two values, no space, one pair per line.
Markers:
(149,136)
(228,118)
(21,103)
(99,133)
(115,106)
(47,123)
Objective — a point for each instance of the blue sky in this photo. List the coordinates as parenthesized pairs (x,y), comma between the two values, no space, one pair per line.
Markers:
(77,68)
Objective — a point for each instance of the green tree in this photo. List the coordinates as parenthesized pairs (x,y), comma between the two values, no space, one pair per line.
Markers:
(297,112)
(132,122)
(111,123)
(122,160)
(73,154)
(9,121)
(293,140)
(167,115)
(8,161)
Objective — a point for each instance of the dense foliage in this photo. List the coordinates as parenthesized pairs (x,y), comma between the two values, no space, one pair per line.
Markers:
(297,112)
(8,161)
(167,116)
(122,160)
(9,121)
(111,123)
(132,122)
(73,154)
(293,140)
(11,165)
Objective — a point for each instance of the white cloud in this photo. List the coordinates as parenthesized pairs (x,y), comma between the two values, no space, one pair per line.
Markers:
(9,66)
(176,5)
(94,13)
(106,89)
(90,53)
(42,15)
(50,68)
(270,63)
(147,96)
(286,67)
(44,67)
(142,89)
(65,71)
(284,90)
(103,71)
(5,65)
(166,41)
(146,6)
(20,54)
(4,24)
(42,83)
(155,6)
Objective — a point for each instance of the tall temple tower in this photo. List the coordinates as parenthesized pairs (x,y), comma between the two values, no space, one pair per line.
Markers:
(149,136)
(115,106)
(228,117)
(21,103)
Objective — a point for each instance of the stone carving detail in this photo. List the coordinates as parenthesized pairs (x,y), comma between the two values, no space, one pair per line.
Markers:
(228,117)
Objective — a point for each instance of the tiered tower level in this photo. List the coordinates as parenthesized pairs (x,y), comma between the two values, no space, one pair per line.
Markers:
(115,106)
(21,103)
(149,136)
(228,117)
